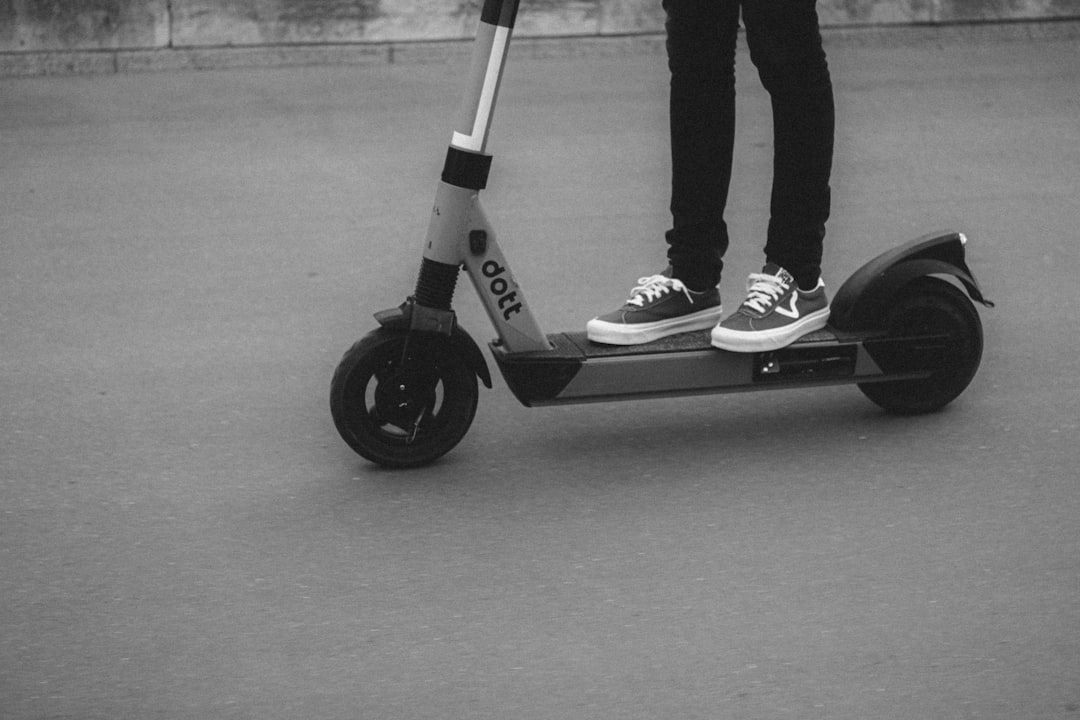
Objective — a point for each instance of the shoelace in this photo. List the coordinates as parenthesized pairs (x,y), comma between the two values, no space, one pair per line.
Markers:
(763,290)
(651,287)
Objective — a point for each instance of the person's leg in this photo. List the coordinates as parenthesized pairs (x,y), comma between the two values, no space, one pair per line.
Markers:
(787,300)
(785,46)
(701,36)
(701,57)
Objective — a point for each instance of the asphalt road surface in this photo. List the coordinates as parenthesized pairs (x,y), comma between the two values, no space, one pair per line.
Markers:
(184,257)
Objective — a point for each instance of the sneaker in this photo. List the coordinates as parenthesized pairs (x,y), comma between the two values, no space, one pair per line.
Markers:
(659,306)
(775,313)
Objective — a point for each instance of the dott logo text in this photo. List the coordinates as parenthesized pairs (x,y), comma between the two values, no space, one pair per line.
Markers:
(500,288)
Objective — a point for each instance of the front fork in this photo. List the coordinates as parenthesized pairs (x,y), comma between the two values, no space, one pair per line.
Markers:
(459,235)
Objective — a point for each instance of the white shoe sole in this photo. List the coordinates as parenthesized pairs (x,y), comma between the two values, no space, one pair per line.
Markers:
(765,340)
(609,333)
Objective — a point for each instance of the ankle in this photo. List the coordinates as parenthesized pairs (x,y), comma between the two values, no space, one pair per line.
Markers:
(696,279)
(806,278)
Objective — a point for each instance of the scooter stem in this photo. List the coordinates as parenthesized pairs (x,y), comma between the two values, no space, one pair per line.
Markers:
(489,57)
(459,233)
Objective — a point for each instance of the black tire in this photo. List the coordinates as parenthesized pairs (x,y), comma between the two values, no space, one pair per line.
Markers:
(402,406)
(932,305)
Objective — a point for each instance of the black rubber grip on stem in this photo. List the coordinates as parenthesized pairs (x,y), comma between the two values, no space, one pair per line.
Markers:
(499,12)
(466,169)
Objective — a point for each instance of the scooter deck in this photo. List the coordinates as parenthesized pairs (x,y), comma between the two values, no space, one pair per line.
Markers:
(577,370)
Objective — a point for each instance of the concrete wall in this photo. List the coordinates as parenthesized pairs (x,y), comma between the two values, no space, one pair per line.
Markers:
(65,25)
(45,37)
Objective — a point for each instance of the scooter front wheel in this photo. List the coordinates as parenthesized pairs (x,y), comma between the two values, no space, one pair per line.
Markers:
(401,399)
(932,306)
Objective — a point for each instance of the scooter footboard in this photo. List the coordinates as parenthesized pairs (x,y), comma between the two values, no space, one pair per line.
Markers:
(577,370)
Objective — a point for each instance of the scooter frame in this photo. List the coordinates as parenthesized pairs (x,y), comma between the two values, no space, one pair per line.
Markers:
(864,342)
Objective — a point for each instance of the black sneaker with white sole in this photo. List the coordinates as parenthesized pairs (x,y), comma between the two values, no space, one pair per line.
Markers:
(775,313)
(658,306)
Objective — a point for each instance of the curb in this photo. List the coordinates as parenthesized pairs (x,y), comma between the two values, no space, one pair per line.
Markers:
(93,62)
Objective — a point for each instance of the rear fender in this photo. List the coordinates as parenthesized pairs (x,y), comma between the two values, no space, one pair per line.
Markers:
(863,299)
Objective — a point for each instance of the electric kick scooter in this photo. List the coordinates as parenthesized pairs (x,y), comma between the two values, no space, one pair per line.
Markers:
(406,393)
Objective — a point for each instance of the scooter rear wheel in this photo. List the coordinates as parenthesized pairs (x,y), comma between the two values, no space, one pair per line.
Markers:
(402,400)
(932,306)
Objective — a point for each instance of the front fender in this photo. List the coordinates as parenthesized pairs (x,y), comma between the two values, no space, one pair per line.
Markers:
(438,322)
(862,300)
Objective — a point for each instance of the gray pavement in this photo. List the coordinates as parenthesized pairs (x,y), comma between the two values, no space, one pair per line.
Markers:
(185,256)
